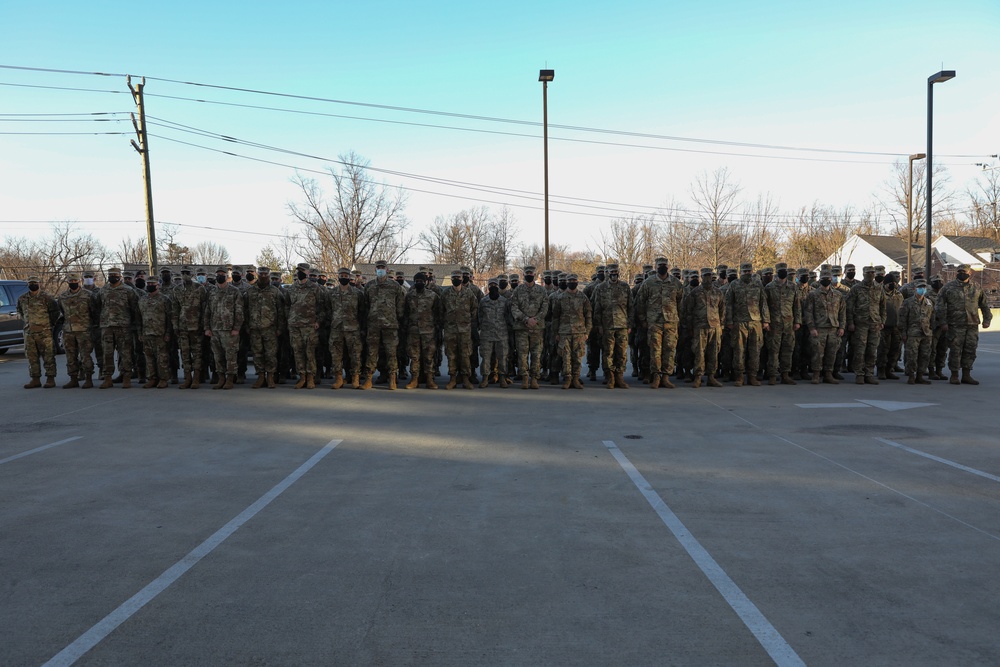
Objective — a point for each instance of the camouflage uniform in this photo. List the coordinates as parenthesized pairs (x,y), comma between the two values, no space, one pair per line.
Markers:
(459,309)
(79,311)
(825,314)
(304,305)
(189,302)
(555,360)
(348,307)
(916,323)
(595,346)
(529,301)
(704,311)
(265,307)
(785,309)
(572,321)
(890,341)
(958,307)
(865,316)
(613,317)
(494,323)
(156,310)
(939,341)
(223,315)
(657,314)
(385,312)
(746,313)
(119,311)
(422,315)
(40,313)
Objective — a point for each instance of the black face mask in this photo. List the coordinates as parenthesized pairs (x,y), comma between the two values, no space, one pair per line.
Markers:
(695,282)
(851,274)
(151,287)
(74,286)
(937,284)
(494,292)
(547,281)
(301,275)
(879,279)
(456,281)
(140,283)
(572,285)
(344,281)
(503,284)
(165,277)
(186,277)
(825,282)
(514,283)
(465,279)
(420,286)
(891,284)
(661,270)
(562,284)
(600,277)
(782,273)
(33,287)
(220,278)
(804,279)
(400,280)
(114,280)
(250,277)
(313,279)
(321,282)
(962,276)
(613,277)
(237,277)
(766,278)
(529,278)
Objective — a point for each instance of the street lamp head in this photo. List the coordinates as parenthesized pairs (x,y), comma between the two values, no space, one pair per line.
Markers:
(942,76)
(918,156)
(549,74)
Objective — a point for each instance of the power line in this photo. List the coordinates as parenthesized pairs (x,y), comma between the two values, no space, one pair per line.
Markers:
(84,90)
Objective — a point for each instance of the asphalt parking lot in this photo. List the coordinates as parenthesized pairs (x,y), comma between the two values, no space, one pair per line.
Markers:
(825,525)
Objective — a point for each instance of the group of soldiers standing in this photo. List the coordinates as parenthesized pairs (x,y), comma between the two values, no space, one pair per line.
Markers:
(698,326)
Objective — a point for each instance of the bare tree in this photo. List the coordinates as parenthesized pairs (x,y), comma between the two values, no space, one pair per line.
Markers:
(133,252)
(629,241)
(984,203)
(896,195)
(715,198)
(362,221)
(503,238)
(53,257)
(681,238)
(169,249)
(208,253)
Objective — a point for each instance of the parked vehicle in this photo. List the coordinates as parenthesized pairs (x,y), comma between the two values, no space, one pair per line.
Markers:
(11,324)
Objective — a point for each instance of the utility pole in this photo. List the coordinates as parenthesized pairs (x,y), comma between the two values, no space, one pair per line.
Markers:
(142,148)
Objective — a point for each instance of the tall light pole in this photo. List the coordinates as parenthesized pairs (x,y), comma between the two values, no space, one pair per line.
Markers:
(940,77)
(545,76)
(909,220)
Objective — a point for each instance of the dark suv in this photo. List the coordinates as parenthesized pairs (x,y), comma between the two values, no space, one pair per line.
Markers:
(11,324)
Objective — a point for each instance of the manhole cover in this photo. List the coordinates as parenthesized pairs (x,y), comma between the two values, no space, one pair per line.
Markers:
(633,437)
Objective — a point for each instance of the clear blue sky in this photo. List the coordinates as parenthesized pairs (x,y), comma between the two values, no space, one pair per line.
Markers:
(847,76)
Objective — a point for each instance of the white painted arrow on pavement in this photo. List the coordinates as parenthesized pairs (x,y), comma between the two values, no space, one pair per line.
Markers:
(889,406)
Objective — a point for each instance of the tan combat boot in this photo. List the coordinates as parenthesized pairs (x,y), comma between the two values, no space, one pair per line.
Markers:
(609,381)
(697,382)
(50,381)
(967,377)
(392,381)
(72,384)
(260,381)
(577,384)
(773,380)
(485,382)
(712,382)
(367,384)
(654,382)
(271,384)
(302,381)
(414,381)
(922,380)
(467,383)
(195,381)
(355,381)
(88,383)
(35,383)
(829,379)
(786,378)
(620,381)
(230,381)
(126,382)
(452,382)
(187,381)
(162,384)
(338,380)
(815,378)
(567,383)
(150,383)
(430,381)
(220,380)
(503,381)
(954,378)
(525,382)
(534,383)
(752,380)
(310,381)
(738,382)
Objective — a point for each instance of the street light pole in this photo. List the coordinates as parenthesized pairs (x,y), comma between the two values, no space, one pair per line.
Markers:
(940,77)
(545,76)
(909,220)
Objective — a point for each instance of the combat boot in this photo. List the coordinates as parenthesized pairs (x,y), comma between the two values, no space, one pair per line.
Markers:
(534,383)
(621,384)
(311,381)
(485,383)
(787,379)
(665,383)
(301,383)
(713,382)
(577,384)
(412,384)
(195,382)
(88,383)
(467,381)
(219,381)
(922,380)
(881,374)
(35,382)
(230,380)
(815,378)
(162,384)
(738,381)
(72,384)
(126,381)
(338,381)
(452,382)
(870,379)
(967,377)
(859,379)
(567,382)
(270,381)
(392,381)
(954,378)
(150,383)
(260,381)
(940,374)
(430,381)
(609,381)
(752,380)
(696,383)
(830,378)
(654,383)
(773,380)
(592,375)
(525,382)
(117,379)
(356,382)
(187,381)
(910,379)
(889,375)
(503,381)
(837,376)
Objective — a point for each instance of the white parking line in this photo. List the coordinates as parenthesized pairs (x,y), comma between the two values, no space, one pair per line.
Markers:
(38,449)
(127,609)
(934,458)
(766,634)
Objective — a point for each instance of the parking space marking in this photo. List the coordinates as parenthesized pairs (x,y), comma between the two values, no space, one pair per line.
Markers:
(38,449)
(127,609)
(953,464)
(770,639)
(89,407)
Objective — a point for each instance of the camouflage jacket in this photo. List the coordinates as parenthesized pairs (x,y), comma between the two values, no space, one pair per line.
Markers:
(825,309)
(385,303)
(612,306)
(459,309)
(959,305)
(348,307)
(422,312)
(119,306)
(156,310)
(40,312)
(893,302)
(916,316)
(304,304)
(866,305)
(658,301)
(189,303)
(494,319)
(265,308)
(571,314)
(529,301)
(79,310)
(783,304)
(745,302)
(225,309)
(704,308)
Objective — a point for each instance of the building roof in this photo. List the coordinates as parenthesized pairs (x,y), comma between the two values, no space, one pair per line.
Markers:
(892,247)
(974,244)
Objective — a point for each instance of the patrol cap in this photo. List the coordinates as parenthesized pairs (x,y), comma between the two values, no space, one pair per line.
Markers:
(263,269)
(201,271)
(676,271)
(562,275)
(706,271)
(456,273)
(71,278)
(936,278)
(114,271)
(612,267)
(826,273)
(918,271)
(801,271)
(276,274)
(142,272)
(514,277)
(465,269)
(322,274)
(746,267)
(647,268)
(33,279)
(381,264)
(302,266)
(313,272)
(963,267)
(493,281)
(780,265)
(128,274)
(868,269)
(638,277)
(767,271)
(422,269)
(848,267)
(237,268)
(879,269)
(920,282)
(660,260)
(220,269)
(530,269)
(722,267)
(419,275)
(836,270)
(88,274)
(602,267)
(732,273)
(399,274)
(502,276)
(825,267)
(185,269)
(572,276)
(342,270)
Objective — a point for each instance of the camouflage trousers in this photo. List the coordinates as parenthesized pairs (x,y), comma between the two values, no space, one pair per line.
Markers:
(572,347)
(458,350)
(157,359)
(40,349)
(662,343)
(615,344)
(225,347)
(865,343)
(889,348)
(190,344)
(264,346)
(780,344)
(79,354)
(421,348)
(529,351)
(345,352)
(918,353)
(595,350)
(824,350)
(746,339)
(493,354)
(962,344)
(117,339)
(388,341)
(95,340)
(303,341)
(939,349)
(706,343)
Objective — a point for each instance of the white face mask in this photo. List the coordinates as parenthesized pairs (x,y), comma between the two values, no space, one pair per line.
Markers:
(202,279)
(89,282)
(380,273)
